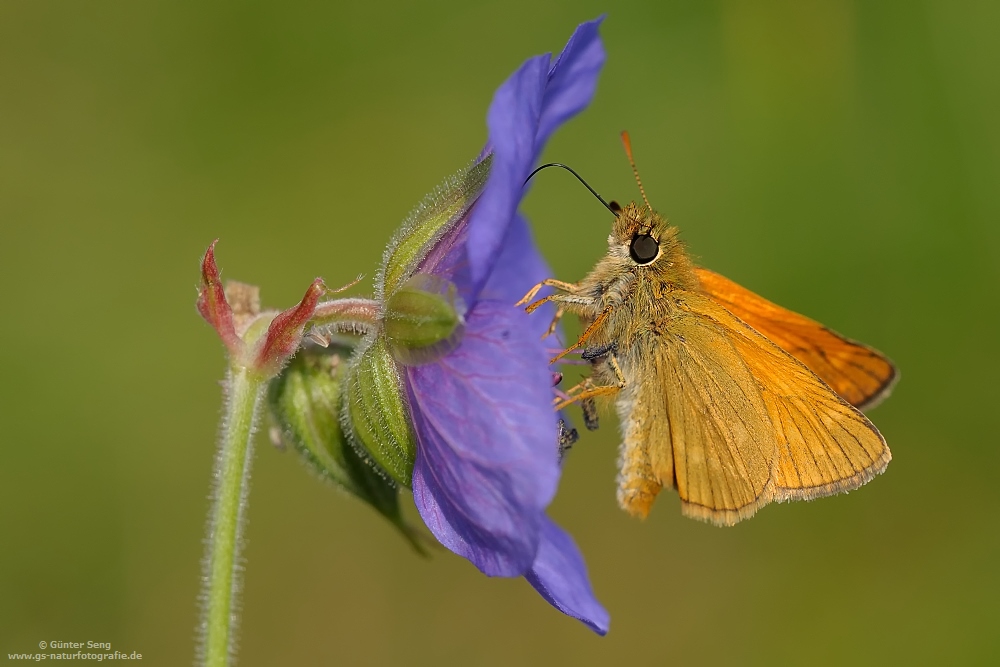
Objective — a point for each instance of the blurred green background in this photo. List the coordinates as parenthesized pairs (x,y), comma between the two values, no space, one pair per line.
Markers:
(840,158)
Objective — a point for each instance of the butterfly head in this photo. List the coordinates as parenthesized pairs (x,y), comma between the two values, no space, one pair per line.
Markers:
(641,235)
(642,242)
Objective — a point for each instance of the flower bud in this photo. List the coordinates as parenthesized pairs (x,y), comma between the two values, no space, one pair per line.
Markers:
(304,402)
(375,413)
(423,319)
(428,223)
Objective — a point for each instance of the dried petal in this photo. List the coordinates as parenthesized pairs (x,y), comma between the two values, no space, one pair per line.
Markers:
(284,334)
(212,303)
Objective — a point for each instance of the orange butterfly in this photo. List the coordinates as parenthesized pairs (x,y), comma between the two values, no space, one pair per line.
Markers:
(722,395)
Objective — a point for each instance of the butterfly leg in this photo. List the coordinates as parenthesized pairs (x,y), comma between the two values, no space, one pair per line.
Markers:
(598,321)
(548,282)
(613,362)
(555,321)
(604,390)
(587,390)
(585,301)
(588,406)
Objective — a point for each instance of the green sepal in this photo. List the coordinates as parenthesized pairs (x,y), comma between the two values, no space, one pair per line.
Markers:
(305,402)
(437,214)
(423,320)
(375,413)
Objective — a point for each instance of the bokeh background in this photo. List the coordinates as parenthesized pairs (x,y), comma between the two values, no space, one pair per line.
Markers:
(840,158)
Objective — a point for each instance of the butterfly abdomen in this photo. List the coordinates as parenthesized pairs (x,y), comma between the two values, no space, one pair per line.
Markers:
(640,419)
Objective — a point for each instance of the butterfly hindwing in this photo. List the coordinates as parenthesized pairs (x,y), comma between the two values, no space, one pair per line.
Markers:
(721,440)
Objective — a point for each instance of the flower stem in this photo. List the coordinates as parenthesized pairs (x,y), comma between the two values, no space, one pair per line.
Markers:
(222,565)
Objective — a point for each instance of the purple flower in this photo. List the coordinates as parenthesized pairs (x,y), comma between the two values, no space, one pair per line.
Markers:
(487,462)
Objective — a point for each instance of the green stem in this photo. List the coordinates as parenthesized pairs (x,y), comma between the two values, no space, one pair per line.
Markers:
(222,566)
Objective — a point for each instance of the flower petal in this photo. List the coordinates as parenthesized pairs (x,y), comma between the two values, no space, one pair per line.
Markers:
(487,463)
(525,110)
(572,80)
(518,268)
(513,124)
(560,576)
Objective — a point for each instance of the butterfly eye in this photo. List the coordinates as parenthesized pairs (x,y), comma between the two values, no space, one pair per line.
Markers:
(644,248)
(615,207)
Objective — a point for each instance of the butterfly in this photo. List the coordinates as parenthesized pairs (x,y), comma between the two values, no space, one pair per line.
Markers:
(729,399)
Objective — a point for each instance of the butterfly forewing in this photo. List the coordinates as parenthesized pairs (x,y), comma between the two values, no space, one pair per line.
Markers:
(747,422)
(824,445)
(861,375)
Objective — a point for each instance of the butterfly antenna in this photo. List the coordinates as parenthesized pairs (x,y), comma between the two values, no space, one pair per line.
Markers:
(579,178)
(631,161)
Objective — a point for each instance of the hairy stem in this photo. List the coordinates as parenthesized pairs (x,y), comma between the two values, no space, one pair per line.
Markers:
(222,566)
